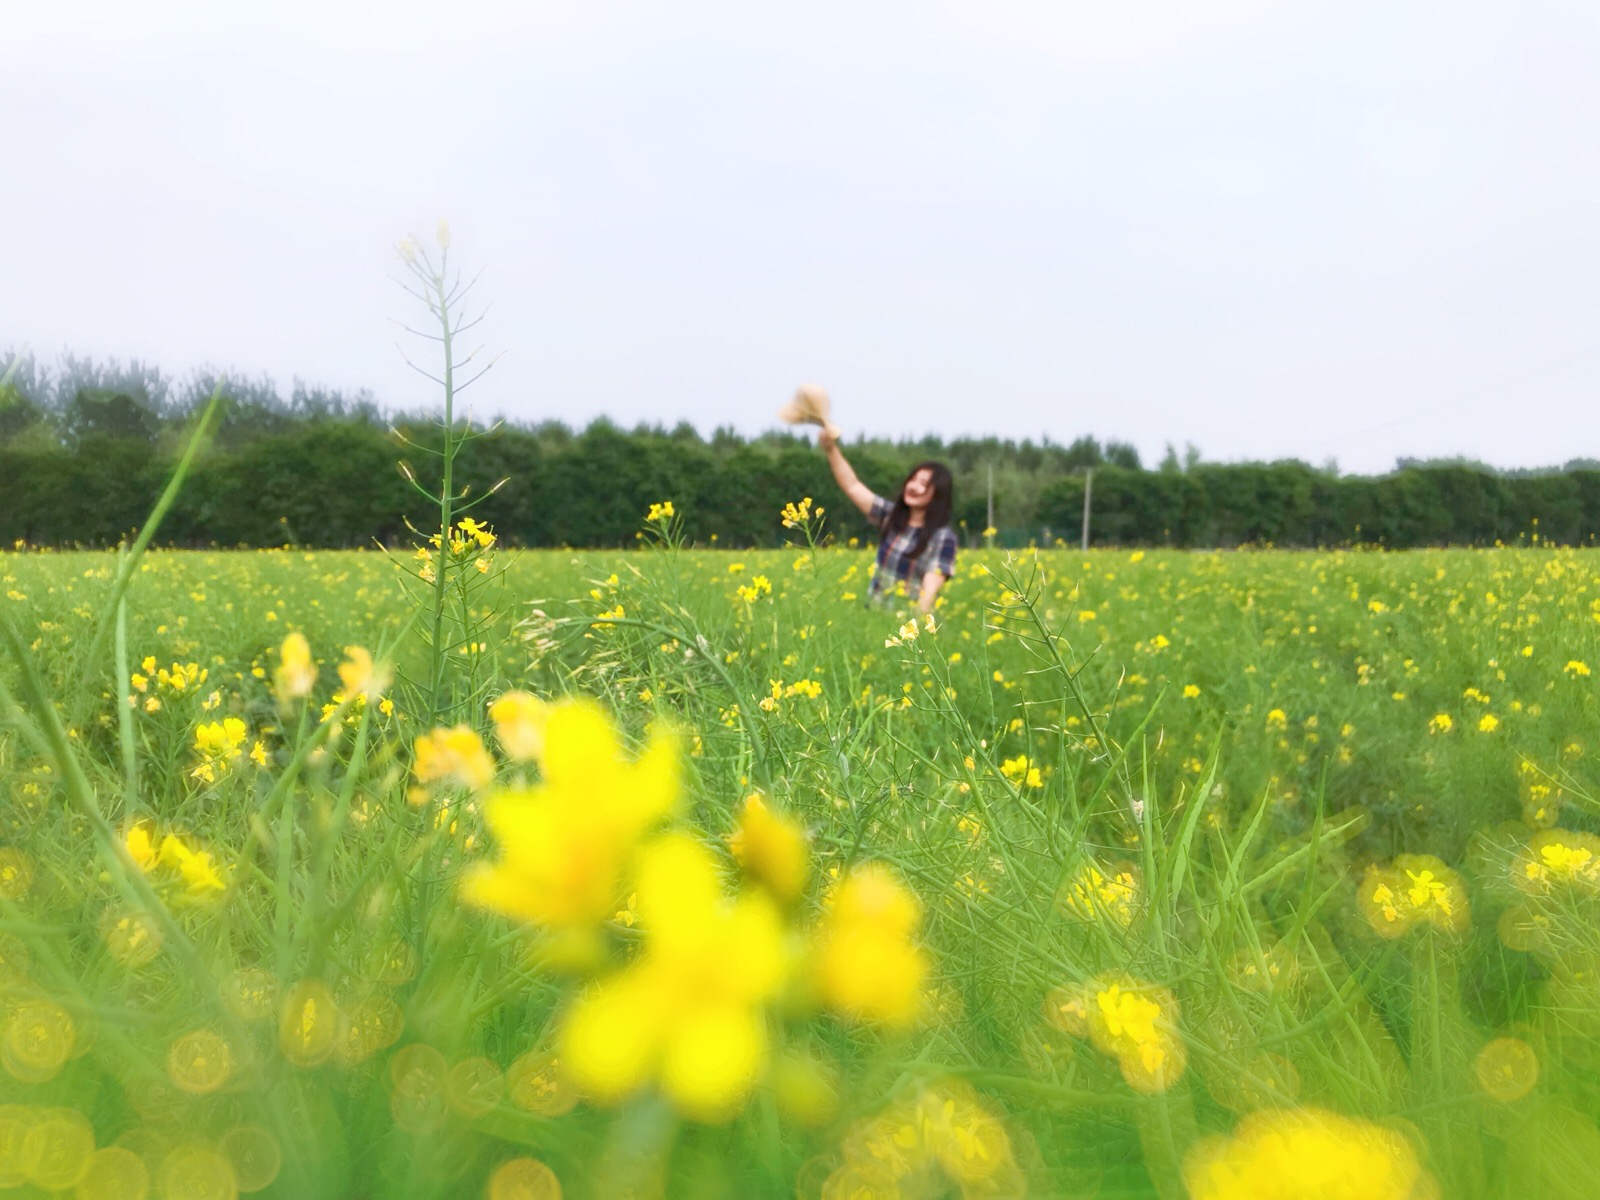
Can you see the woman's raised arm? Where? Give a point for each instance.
(844, 474)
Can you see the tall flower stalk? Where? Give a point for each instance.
(444, 292)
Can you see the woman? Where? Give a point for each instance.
(917, 547)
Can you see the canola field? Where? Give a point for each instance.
(676, 872)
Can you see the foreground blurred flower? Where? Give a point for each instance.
(359, 676)
(566, 842)
(296, 674)
(689, 1013)
(201, 876)
(868, 966)
(519, 720)
(771, 849)
(455, 757)
(1306, 1154)
(1417, 890)
(943, 1135)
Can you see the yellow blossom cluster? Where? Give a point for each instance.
(1135, 1023)
(220, 747)
(1094, 894)
(909, 632)
(452, 757)
(1022, 772)
(566, 842)
(758, 586)
(808, 689)
(660, 513)
(689, 1012)
(796, 516)
(1554, 858)
(867, 965)
(941, 1140)
(198, 873)
(1416, 890)
(771, 850)
(1294, 1154)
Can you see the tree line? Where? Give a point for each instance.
(85, 450)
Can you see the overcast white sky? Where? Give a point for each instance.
(1289, 228)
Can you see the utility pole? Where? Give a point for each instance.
(1088, 495)
(989, 520)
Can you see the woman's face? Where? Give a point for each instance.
(919, 489)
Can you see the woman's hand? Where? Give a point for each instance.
(827, 439)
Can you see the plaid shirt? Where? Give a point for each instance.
(895, 564)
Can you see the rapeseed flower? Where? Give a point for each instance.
(1558, 858)
(1305, 1153)
(1137, 1025)
(455, 757)
(220, 745)
(201, 876)
(1092, 894)
(771, 849)
(566, 842)
(519, 720)
(359, 676)
(1416, 890)
(689, 1013)
(296, 674)
(868, 965)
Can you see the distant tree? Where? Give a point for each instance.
(93, 413)
(1124, 455)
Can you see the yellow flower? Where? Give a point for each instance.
(868, 966)
(1306, 1152)
(689, 1013)
(660, 512)
(1488, 723)
(220, 745)
(453, 756)
(140, 845)
(478, 533)
(1021, 771)
(1190, 691)
(1417, 889)
(519, 721)
(1441, 723)
(200, 875)
(1558, 856)
(1137, 1025)
(1576, 668)
(258, 753)
(1091, 894)
(566, 842)
(1277, 719)
(296, 674)
(359, 676)
(795, 515)
(771, 849)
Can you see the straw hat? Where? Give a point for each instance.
(809, 407)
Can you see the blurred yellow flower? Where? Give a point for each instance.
(1417, 889)
(359, 676)
(868, 966)
(566, 842)
(519, 720)
(1306, 1153)
(771, 849)
(296, 674)
(455, 757)
(689, 1012)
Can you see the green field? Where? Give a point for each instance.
(1096, 891)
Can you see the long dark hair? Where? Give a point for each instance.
(935, 516)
